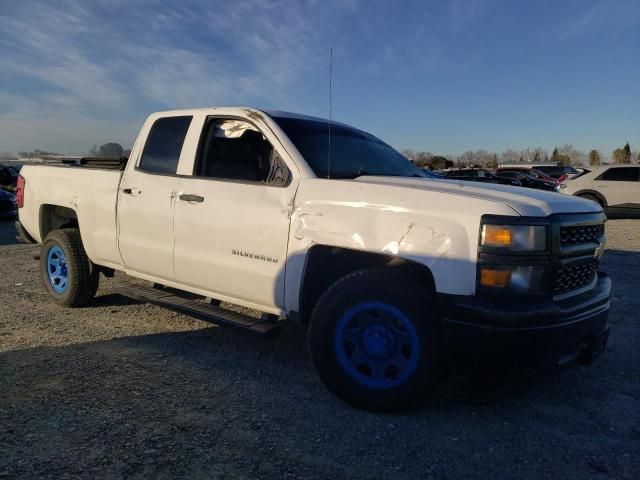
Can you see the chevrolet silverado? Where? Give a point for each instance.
(399, 278)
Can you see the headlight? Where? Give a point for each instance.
(517, 238)
(519, 279)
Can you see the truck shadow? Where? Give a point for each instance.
(235, 352)
(210, 396)
(112, 300)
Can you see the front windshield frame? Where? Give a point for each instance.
(311, 138)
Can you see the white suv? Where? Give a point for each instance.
(615, 187)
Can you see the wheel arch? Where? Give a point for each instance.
(594, 193)
(54, 217)
(325, 264)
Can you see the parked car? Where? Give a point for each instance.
(535, 173)
(561, 172)
(616, 188)
(430, 173)
(479, 175)
(7, 205)
(8, 175)
(398, 278)
(558, 172)
(529, 181)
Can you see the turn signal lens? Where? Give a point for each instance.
(517, 238)
(496, 235)
(494, 278)
(519, 279)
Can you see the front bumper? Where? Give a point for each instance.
(505, 337)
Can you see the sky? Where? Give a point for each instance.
(441, 76)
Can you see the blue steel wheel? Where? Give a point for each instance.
(57, 269)
(375, 339)
(377, 345)
(67, 273)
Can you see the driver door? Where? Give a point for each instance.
(231, 218)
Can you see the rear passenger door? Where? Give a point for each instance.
(232, 215)
(146, 200)
(620, 186)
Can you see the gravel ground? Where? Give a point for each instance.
(120, 389)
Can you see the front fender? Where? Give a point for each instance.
(353, 216)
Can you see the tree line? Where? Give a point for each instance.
(563, 155)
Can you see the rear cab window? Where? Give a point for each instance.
(164, 144)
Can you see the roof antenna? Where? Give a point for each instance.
(330, 81)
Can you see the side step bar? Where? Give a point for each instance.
(196, 308)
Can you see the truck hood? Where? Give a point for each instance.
(525, 201)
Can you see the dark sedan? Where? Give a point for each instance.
(532, 172)
(561, 173)
(529, 181)
(7, 205)
(479, 175)
(8, 175)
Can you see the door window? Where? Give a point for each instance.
(233, 149)
(164, 144)
(622, 174)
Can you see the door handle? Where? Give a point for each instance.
(131, 191)
(191, 198)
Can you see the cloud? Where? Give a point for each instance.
(115, 60)
(599, 17)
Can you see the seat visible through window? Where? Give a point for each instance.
(236, 150)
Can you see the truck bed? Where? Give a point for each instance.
(89, 191)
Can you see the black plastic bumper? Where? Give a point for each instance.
(23, 236)
(485, 336)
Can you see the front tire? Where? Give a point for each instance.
(374, 340)
(66, 270)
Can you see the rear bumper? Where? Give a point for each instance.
(484, 336)
(23, 236)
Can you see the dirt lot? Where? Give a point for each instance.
(120, 389)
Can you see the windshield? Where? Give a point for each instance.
(353, 153)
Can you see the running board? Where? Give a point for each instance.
(196, 308)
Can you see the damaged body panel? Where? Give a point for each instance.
(394, 221)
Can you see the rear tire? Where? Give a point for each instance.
(67, 272)
(374, 340)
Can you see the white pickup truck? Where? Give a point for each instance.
(399, 278)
